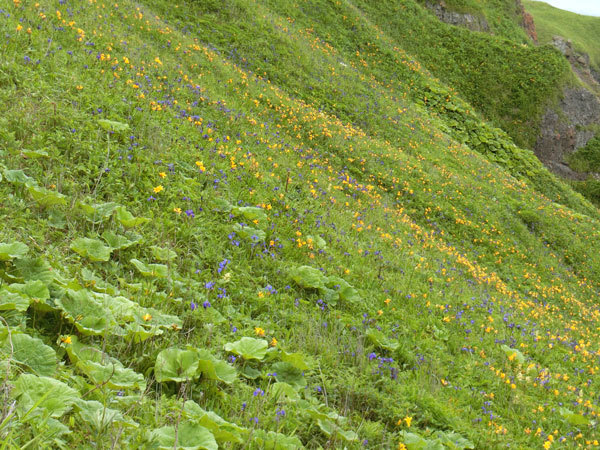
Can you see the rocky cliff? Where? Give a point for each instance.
(577, 118)
(567, 128)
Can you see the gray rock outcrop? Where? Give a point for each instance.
(580, 62)
(563, 132)
(469, 21)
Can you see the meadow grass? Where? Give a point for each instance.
(249, 224)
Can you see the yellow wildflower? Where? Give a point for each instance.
(273, 342)
(259, 331)
(162, 174)
(158, 188)
(147, 317)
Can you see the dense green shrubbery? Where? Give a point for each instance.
(586, 159)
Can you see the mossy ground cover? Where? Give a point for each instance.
(239, 225)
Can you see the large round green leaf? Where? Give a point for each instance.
(127, 219)
(96, 213)
(574, 418)
(160, 319)
(111, 125)
(78, 351)
(18, 177)
(298, 360)
(34, 289)
(271, 440)
(28, 351)
(379, 339)
(122, 309)
(223, 430)
(248, 348)
(283, 391)
(120, 242)
(174, 364)
(215, 369)
(287, 373)
(163, 254)
(308, 277)
(150, 270)
(13, 301)
(12, 250)
(249, 233)
(52, 397)
(332, 429)
(138, 333)
(345, 290)
(99, 417)
(111, 375)
(513, 354)
(88, 315)
(189, 436)
(93, 249)
(45, 197)
(35, 269)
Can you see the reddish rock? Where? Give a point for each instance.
(528, 24)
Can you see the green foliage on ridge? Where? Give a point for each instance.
(584, 31)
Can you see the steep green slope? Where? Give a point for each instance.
(358, 41)
(584, 31)
(509, 82)
(237, 224)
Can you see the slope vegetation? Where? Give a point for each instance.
(249, 224)
(584, 31)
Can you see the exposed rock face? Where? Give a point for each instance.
(595, 75)
(528, 23)
(563, 133)
(580, 62)
(469, 21)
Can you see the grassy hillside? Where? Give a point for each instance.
(249, 224)
(509, 82)
(584, 31)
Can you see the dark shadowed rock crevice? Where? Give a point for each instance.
(569, 127)
(566, 129)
